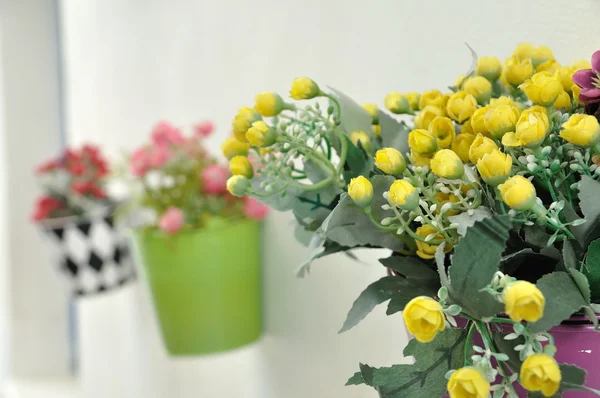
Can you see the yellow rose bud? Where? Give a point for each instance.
(459, 81)
(426, 250)
(542, 89)
(422, 142)
(397, 103)
(419, 160)
(268, 104)
(480, 146)
(424, 318)
(442, 199)
(243, 121)
(495, 167)
(238, 185)
(413, 100)
(517, 70)
(232, 147)
(426, 115)
(583, 130)
(563, 102)
(541, 54)
(261, 134)
(442, 129)
(504, 100)
(523, 301)
(240, 166)
(373, 111)
(461, 106)
(467, 128)
(524, 50)
(479, 87)
(360, 190)
(518, 192)
(565, 75)
(575, 90)
(304, 88)
(376, 130)
(551, 66)
(461, 145)
(363, 138)
(540, 372)
(581, 64)
(477, 121)
(432, 97)
(390, 161)
(468, 382)
(500, 119)
(531, 130)
(446, 164)
(404, 195)
(489, 67)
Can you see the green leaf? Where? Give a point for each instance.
(582, 284)
(572, 379)
(508, 347)
(589, 192)
(592, 268)
(358, 162)
(465, 221)
(536, 235)
(475, 261)
(354, 117)
(393, 133)
(425, 378)
(356, 380)
(411, 267)
(569, 256)
(558, 306)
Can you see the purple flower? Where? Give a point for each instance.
(589, 81)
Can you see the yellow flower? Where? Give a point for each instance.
(565, 75)
(240, 166)
(581, 64)
(232, 147)
(261, 134)
(479, 87)
(519, 193)
(397, 103)
(304, 88)
(373, 111)
(575, 90)
(480, 146)
(531, 130)
(424, 318)
(376, 130)
(446, 164)
(504, 100)
(468, 382)
(422, 142)
(563, 101)
(416, 159)
(478, 121)
(238, 185)
(500, 119)
(517, 70)
(404, 195)
(541, 54)
(489, 67)
(542, 89)
(540, 372)
(443, 198)
(426, 115)
(459, 81)
(426, 250)
(413, 100)
(363, 138)
(360, 190)
(243, 121)
(467, 128)
(268, 104)
(461, 145)
(550, 66)
(431, 97)
(442, 129)
(581, 130)
(390, 161)
(461, 106)
(495, 167)
(524, 51)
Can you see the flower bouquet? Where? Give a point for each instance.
(76, 214)
(200, 245)
(487, 197)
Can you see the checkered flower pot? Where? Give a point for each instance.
(90, 251)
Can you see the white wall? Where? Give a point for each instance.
(132, 62)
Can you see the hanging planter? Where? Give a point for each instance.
(90, 251)
(205, 286)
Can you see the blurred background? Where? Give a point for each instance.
(104, 71)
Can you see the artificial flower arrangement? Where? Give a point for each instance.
(183, 186)
(487, 197)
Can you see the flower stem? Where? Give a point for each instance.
(469, 342)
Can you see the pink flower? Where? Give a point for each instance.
(204, 129)
(589, 81)
(159, 156)
(214, 178)
(139, 162)
(172, 220)
(255, 210)
(164, 133)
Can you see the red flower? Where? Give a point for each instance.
(45, 206)
(164, 133)
(46, 167)
(98, 192)
(77, 168)
(82, 187)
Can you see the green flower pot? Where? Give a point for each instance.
(206, 286)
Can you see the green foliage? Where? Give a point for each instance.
(393, 133)
(475, 261)
(354, 117)
(358, 161)
(592, 268)
(589, 192)
(425, 378)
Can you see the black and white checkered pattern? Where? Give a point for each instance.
(91, 251)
